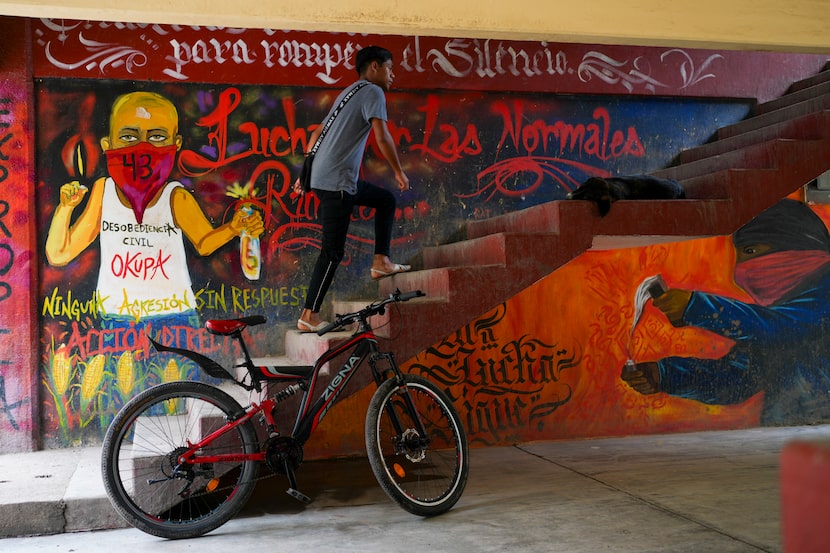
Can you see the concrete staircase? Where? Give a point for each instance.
(747, 167)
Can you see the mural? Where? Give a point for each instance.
(241, 147)
(743, 344)
(112, 248)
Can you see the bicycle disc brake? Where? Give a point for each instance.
(412, 446)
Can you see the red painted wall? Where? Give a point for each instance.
(19, 405)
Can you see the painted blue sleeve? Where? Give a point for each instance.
(724, 381)
(741, 321)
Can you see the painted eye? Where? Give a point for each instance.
(750, 250)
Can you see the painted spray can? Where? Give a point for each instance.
(249, 251)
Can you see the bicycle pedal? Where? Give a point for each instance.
(298, 495)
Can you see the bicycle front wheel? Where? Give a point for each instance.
(142, 474)
(416, 445)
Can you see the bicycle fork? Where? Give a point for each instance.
(410, 442)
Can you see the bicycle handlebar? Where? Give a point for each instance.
(375, 308)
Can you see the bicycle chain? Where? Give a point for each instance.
(271, 474)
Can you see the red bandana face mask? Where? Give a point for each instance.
(768, 277)
(140, 171)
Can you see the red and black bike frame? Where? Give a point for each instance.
(362, 347)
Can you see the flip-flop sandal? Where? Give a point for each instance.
(310, 327)
(377, 274)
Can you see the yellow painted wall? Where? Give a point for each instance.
(792, 26)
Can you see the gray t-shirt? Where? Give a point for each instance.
(337, 162)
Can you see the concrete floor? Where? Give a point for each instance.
(698, 492)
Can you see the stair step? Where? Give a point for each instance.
(504, 248)
(765, 155)
(712, 186)
(794, 97)
(820, 77)
(441, 281)
(305, 348)
(790, 111)
(811, 126)
(633, 223)
(388, 326)
(548, 217)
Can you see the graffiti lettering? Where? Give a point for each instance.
(4, 171)
(88, 342)
(212, 51)
(461, 58)
(6, 262)
(57, 305)
(262, 142)
(498, 394)
(245, 299)
(594, 139)
(493, 417)
(139, 309)
(274, 54)
(136, 241)
(138, 265)
(4, 209)
(211, 299)
(451, 146)
(5, 288)
(111, 226)
(7, 407)
(299, 54)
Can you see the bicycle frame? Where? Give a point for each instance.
(363, 347)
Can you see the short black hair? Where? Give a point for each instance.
(368, 54)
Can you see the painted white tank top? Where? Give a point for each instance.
(143, 267)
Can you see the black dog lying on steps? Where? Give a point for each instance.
(605, 191)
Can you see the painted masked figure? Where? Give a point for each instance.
(781, 342)
(140, 215)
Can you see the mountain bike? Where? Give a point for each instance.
(182, 458)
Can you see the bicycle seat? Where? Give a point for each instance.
(223, 327)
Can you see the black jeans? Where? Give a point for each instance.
(335, 213)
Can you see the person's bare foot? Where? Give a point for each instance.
(383, 267)
(309, 321)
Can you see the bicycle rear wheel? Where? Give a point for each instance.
(423, 471)
(143, 477)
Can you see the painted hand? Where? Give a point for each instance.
(673, 303)
(644, 377)
(250, 223)
(72, 193)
